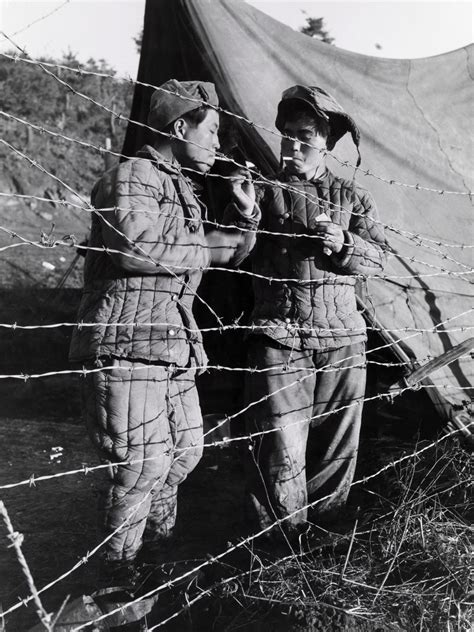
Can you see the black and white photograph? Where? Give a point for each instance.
(236, 315)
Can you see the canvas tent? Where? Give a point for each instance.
(414, 116)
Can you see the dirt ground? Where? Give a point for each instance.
(58, 517)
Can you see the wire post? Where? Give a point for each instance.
(16, 539)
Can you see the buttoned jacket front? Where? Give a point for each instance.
(305, 298)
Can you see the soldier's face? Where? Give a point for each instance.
(303, 152)
(198, 145)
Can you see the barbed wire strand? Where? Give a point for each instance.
(254, 536)
(42, 64)
(416, 238)
(70, 241)
(236, 327)
(262, 567)
(148, 257)
(83, 371)
(226, 441)
(244, 542)
(228, 418)
(281, 561)
(40, 19)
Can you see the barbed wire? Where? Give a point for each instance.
(234, 369)
(246, 541)
(418, 238)
(83, 372)
(42, 64)
(218, 425)
(33, 480)
(282, 560)
(148, 257)
(40, 19)
(69, 241)
(294, 328)
(260, 179)
(227, 418)
(72, 243)
(222, 328)
(214, 559)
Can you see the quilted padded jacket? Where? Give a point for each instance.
(140, 283)
(307, 299)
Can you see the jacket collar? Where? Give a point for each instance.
(172, 167)
(169, 166)
(323, 180)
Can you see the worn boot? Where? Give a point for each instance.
(118, 574)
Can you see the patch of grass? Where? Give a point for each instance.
(404, 565)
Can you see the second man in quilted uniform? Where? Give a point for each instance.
(307, 342)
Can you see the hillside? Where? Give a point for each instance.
(63, 169)
(40, 285)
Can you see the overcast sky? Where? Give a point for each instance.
(105, 28)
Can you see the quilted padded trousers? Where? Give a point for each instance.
(312, 407)
(149, 417)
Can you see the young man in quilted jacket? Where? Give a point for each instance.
(308, 339)
(147, 252)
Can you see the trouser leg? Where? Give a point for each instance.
(276, 475)
(334, 434)
(185, 422)
(127, 418)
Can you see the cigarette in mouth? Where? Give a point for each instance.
(287, 158)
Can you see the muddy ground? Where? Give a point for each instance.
(58, 517)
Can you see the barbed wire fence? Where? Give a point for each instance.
(435, 247)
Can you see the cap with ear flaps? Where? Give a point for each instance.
(324, 106)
